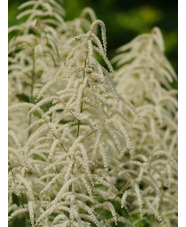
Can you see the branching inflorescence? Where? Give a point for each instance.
(144, 76)
(75, 152)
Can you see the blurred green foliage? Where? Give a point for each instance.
(125, 19)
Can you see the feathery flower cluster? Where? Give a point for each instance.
(76, 154)
(144, 76)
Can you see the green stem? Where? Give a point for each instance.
(124, 187)
(32, 87)
(81, 109)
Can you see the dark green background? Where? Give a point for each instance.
(124, 19)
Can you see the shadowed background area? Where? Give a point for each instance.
(126, 19)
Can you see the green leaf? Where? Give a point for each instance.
(23, 97)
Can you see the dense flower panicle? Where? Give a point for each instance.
(33, 53)
(75, 152)
(141, 64)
